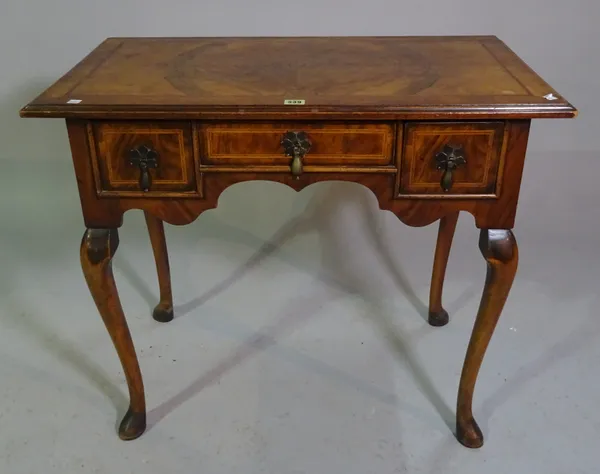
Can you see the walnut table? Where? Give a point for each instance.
(432, 125)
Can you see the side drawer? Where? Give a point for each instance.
(459, 159)
(368, 144)
(143, 158)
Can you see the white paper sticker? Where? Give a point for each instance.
(73, 101)
(550, 96)
(294, 102)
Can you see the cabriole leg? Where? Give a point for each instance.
(164, 310)
(437, 314)
(97, 250)
(499, 248)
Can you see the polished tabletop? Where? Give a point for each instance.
(406, 75)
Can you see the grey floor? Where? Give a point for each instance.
(299, 344)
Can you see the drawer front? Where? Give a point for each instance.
(330, 143)
(144, 158)
(452, 159)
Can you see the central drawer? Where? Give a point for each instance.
(366, 144)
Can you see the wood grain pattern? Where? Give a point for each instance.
(499, 248)
(331, 143)
(103, 212)
(376, 109)
(438, 316)
(481, 143)
(115, 175)
(378, 77)
(98, 247)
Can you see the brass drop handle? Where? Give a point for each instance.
(296, 145)
(450, 158)
(144, 158)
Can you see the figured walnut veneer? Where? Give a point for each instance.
(431, 125)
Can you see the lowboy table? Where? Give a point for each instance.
(432, 125)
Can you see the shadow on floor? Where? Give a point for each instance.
(320, 216)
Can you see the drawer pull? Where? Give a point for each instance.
(450, 158)
(296, 145)
(144, 158)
